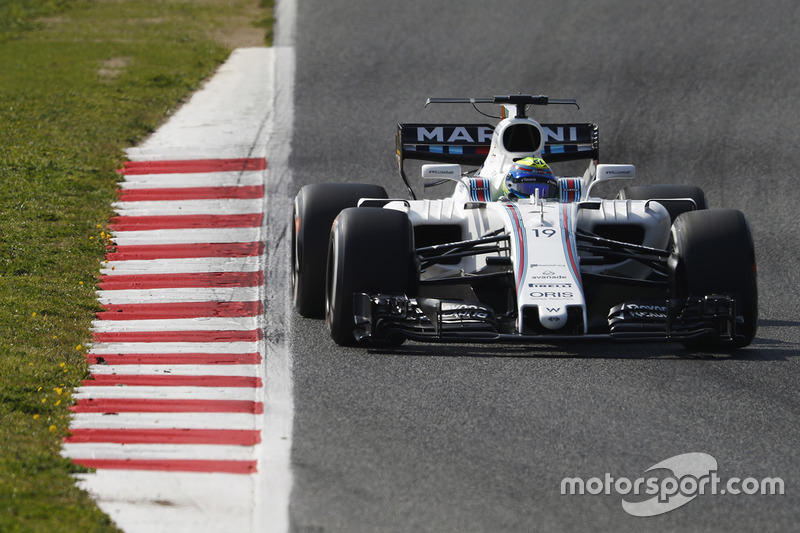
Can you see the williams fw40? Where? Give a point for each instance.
(517, 254)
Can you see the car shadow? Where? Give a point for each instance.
(763, 348)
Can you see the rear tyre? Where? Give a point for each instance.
(315, 207)
(667, 192)
(713, 253)
(372, 251)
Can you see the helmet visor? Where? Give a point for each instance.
(529, 188)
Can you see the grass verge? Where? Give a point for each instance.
(79, 81)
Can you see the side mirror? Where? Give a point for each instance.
(434, 175)
(605, 173)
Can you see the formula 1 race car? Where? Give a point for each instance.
(512, 259)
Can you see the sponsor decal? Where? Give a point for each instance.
(557, 133)
(463, 312)
(455, 134)
(553, 295)
(549, 275)
(645, 311)
(441, 172)
(480, 190)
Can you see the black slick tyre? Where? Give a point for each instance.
(713, 253)
(371, 251)
(315, 208)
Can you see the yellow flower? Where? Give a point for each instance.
(79, 347)
(80, 283)
(33, 314)
(62, 365)
(53, 428)
(58, 390)
(39, 389)
(44, 400)
(58, 402)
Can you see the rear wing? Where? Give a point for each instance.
(468, 144)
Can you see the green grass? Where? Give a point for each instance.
(79, 81)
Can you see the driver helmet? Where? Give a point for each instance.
(528, 175)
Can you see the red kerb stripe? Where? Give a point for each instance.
(112, 380)
(180, 310)
(193, 279)
(237, 437)
(244, 192)
(134, 405)
(184, 251)
(193, 165)
(171, 465)
(149, 223)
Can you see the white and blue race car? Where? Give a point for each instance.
(652, 263)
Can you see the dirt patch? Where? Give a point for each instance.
(111, 68)
(242, 25)
(241, 31)
(240, 37)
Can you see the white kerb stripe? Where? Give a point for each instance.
(199, 294)
(108, 450)
(165, 420)
(186, 236)
(191, 180)
(166, 393)
(180, 324)
(190, 207)
(184, 265)
(101, 348)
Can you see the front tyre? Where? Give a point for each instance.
(713, 253)
(315, 207)
(371, 251)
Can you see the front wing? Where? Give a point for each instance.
(384, 317)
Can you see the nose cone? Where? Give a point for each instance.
(553, 317)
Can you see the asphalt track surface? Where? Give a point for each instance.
(478, 438)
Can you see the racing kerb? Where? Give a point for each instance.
(173, 413)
